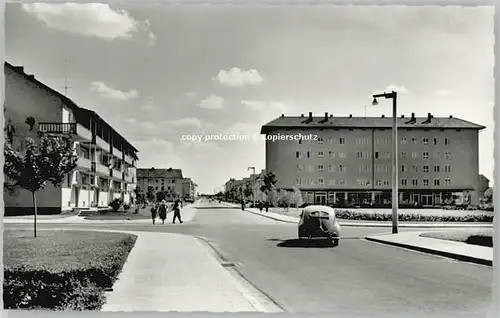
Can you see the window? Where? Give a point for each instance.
(360, 154)
(414, 155)
(157, 180)
(387, 155)
(331, 182)
(447, 182)
(331, 168)
(425, 141)
(321, 181)
(310, 168)
(436, 168)
(342, 155)
(320, 168)
(377, 154)
(379, 182)
(425, 155)
(298, 181)
(320, 140)
(320, 154)
(341, 183)
(414, 140)
(403, 168)
(403, 182)
(404, 155)
(386, 182)
(342, 141)
(331, 154)
(447, 168)
(425, 168)
(404, 141)
(361, 182)
(298, 154)
(300, 167)
(308, 154)
(447, 155)
(414, 182)
(435, 141)
(156, 188)
(311, 182)
(436, 154)
(342, 168)
(436, 182)
(447, 141)
(377, 141)
(426, 182)
(414, 168)
(332, 141)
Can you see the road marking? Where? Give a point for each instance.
(258, 299)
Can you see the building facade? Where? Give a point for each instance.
(188, 189)
(106, 161)
(170, 180)
(348, 160)
(234, 189)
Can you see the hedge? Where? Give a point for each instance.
(411, 217)
(47, 281)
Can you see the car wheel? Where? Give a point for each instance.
(336, 242)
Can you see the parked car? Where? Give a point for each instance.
(319, 221)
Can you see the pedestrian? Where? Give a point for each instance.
(177, 210)
(163, 211)
(154, 211)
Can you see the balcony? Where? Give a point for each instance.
(116, 174)
(84, 164)
(101, 144)
(129, 160)
(117, 153)
(128, 177)
(100, 169)
(76, 130)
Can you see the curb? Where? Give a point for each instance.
(460, 257)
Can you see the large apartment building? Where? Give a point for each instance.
(347, 160)
(170, 180)
(106, 163)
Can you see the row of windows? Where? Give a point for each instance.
(387, 141)
(367, 155)
(378, 168)
(162, 180)
(364, 183)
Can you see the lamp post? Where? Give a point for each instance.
(395, 196)
(253, 184)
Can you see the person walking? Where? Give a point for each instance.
(154, 211)
(177, 210)
(163, 211)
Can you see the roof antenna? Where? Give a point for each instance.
(66, 79)
(365, 110)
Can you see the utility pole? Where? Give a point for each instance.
(66, 78)
(253, 184)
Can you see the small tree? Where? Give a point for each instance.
(150, 195)
(272, 197)
(139, 195)
(248, 190)
(268, 184)
(296, 198)
(49, 160)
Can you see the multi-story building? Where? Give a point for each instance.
(169, 180)
(188, 189)
(106, 162)
(347, 160)
(236, 187)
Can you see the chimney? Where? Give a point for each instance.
(19, 68)
(350, 115)
(402, 116)
(282, 115)
(310, 116)
(383, 116)
(412, 115)
(31, 76)
(326, 116)
(301, 115)
(331, 116)
(429, 116)
(451, 116)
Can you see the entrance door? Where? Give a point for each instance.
(321, 198)
(77, 196)
(96, 197)
(426, 199)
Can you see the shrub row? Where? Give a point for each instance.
(38, 287)
(351, 215)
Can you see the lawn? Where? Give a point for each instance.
(61, 270)
(121, 215)
(469, 236)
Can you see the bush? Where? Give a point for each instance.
(365, 216)
(115, 204)
(126, 207)
(76, 281)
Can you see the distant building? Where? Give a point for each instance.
(188, 188)
(170, 180)
(484, 184)
(235, 188)
(348, 159)
(106, 163)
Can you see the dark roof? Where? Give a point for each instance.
(159, 173)
(368, 122)
(82, 115)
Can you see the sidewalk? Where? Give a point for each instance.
(174, 272)
(187, 214)
(456, 250)
(361, 223)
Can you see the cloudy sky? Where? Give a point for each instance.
(156, 72)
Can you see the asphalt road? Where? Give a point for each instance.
(356, 277)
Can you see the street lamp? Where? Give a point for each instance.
(395, 197)
(253, 184)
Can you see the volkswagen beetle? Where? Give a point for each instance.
(319, 221)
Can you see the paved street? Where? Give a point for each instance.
(356, 277)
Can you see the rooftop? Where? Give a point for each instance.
(328, 121)
(82, 115)
(159, 173)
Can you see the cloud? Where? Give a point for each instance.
(237, 77)
(130, 120)
(396, 88)
(266, 106)
(443, 92)
(148, 125)
(212, 102)
(187, 121)
(111, 93)
(191, 94)
(148, 104)
(90, 19)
